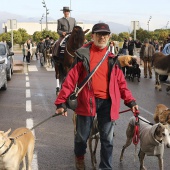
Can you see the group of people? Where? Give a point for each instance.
(96, 98)
(29, 48)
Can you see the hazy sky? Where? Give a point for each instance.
(118, 11)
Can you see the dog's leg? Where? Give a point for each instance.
(95, 148)
(141, 160)
(129, 134)
(24, 164)
(161, 165)
(91, 152)
(30, 155)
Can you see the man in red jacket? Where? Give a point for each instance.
(101, 96)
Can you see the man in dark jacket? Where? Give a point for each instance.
(146, 53)
(96, 97)
(66, 23)
(131, 44)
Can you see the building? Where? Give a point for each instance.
(32, 27)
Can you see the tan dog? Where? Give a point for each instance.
(162, 114)
(13, 149)
(152, 140)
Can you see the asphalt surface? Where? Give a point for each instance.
(54, 138)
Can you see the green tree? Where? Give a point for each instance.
(24, 35)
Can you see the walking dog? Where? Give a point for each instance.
(14, 148)
(162, 114)
(152, 140)
(94, 135)
(133, 71)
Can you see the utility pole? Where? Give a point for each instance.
(44, 5)
(148, 22)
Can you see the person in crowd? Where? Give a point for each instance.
(131, 46)
(40, 48)
(125, 46)
(34, 47)
(112, 48)
(23, 46)
(125, 62)
(64, 26)
(47, 45)
(98, 98)
(156, 46)
(146, 53)
(138, 45)
(28, 51)
(66, 23)
(168, 39)
(151, 42)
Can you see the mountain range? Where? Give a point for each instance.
(115, 27)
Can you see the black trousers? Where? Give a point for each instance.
(28, 57)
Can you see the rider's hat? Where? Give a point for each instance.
(65, 8)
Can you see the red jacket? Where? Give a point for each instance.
(86, 99)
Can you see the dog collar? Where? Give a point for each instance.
(12, 141)
(3, 145)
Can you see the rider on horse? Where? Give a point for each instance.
(65, 24)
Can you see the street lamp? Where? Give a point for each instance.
(148, 22)
(167, 24)
(41, 21)
(44, 5)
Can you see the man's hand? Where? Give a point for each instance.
(61, 110)
(64, 33)
(134, 108)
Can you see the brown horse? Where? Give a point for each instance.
(62, 65)
(161, 65)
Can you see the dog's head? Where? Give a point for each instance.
(4, 137)
(162, 134)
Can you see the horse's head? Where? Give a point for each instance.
(76, 39)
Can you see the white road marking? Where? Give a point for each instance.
(26, 74)
(32, 68)
(28, 93)
(27, 78)
(30, 124)
(28, 106)
(27, 84)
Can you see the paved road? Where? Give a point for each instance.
(29, 100)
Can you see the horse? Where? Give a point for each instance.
(161, 65)
(73, 41)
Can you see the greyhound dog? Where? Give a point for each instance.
(152, 140)
(162, 114)
(94, 135)
(13, 149)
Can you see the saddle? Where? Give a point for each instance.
(59, 47)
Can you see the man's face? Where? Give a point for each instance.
(66, 13)
(101, 39)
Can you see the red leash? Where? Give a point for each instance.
(136, 132)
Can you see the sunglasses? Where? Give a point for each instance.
(104, 34)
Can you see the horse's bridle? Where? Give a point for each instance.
(69, 52)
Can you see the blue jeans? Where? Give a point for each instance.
(106, 129)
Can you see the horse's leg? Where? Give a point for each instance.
(159, 84)
(57, 78)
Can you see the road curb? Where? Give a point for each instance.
(18, 66)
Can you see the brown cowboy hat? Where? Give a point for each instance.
(65, 8)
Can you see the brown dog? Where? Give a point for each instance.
(13, 149)
(152, 140)
(162, 114)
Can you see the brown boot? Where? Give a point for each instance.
(79, 161)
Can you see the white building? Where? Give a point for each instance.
(32, 27)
